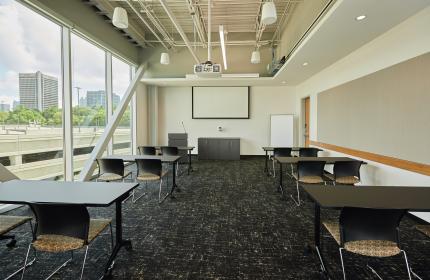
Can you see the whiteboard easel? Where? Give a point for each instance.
(281, 130)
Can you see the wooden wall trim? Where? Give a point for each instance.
(391, 161)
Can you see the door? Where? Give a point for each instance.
(307, 120)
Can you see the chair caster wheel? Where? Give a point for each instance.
(11, 244)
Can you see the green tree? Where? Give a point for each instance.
(22, 115)
(3, 117)
(125, 120)
(99, 118)
(53, 116)
(79, 114)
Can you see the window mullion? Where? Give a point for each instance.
(109, 95)
(66, 76)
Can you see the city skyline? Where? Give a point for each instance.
(83, 101)
(38, 91)
(26, 51)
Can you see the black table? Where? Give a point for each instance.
(91, 194)
(295, 160)
(189, 149)
(271, 149)
(379, 197)
(164, 158)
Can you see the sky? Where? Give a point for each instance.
(29, 42)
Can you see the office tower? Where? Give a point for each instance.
(116, 99)
(38, 91)
(82, 102)
(96, 98)
(15, 104)
(4, 107)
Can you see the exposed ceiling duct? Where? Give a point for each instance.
(147, 24)
(179, 29)
(195, 13)
(242, 19)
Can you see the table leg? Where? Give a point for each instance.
(120, 242)
(174, 185)
(317, 225)
(317, 236)
(190, 168)
(266, 168)
(281, 188)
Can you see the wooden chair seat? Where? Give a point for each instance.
(97, 226)
(347, 180)
(150, 176)
(373, 248)
(370, 248)
(333, 229)
(8, 223)
(59, 243)
(112, 176)
(308, 179)
(425, 229)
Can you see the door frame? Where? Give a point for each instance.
(305, 115)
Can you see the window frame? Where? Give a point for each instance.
(67, 29)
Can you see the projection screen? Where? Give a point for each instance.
(220, 102)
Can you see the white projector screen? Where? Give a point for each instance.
(220, 102)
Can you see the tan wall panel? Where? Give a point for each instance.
(386, 113)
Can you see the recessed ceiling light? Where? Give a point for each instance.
(360, 17)
(305, 64)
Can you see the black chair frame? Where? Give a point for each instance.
(147, 150)
(308, 152)
(12, 244)
(346, 169)
(153, 167)
(171, 151)
(71, 220)
(358, 224)
(279, 152)
(307, 168)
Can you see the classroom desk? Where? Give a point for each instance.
(164, 159)
(382, 197)
(91, 194)
(295, 160)
(271, 149)
(189, 149)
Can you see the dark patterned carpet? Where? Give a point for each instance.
(228, 222)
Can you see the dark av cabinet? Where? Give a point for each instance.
(219, 148)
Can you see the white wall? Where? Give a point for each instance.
(406, 40)
(175, 106)
(142, 117)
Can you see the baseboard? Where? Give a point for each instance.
(196, 156)
(251, 156)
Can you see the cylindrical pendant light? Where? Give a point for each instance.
(268, 13)
(120, 18)
(165, 59)
(255, 57)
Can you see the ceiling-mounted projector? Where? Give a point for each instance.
(207, 70)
